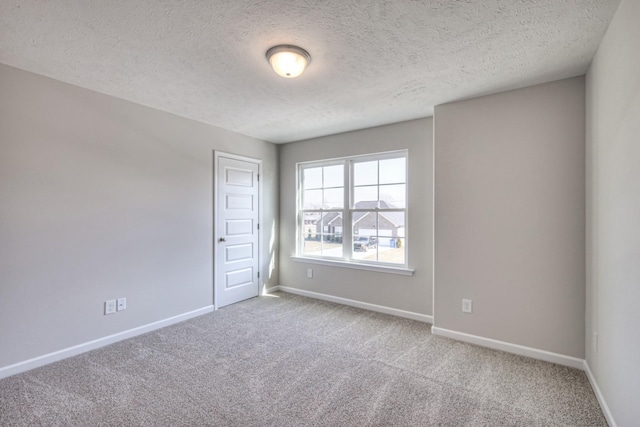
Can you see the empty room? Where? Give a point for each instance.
(319, 213)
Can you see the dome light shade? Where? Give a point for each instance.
(288, 61)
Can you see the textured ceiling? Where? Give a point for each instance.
(374, 62)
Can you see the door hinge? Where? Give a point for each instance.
(258, 177)
(258, 226)
(258, 274)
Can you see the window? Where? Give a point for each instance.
(354, 209)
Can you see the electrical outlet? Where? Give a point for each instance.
(309, 273)
(122, 304)
(595, 342)
(467, 306)
(110, 306)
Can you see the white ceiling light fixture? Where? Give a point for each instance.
(288, 61)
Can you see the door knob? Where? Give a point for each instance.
(222, 239)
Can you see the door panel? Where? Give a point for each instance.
(240, 177)
(239, 278)
(238, 227)
(236, 237)
(239, 201)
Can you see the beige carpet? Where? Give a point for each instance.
(285, 360)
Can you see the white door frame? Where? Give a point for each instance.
(216, 155)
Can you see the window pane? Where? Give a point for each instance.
(332, 223)
(312, 199)
(393, 195)
(311, 247)
(334, 198)
(310, 225)
(365, 173)
(391, 226)
(312, 178)
(311, 233)
(361, 195)
(365, 235)
(332, 245)
(332, 234)
(379, 237)
(334, 176)
(393, 171)
(364, 224)
(365, 248)
(322, 234)
(391, 250)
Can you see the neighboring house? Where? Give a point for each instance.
(310, 224)
(390, 224)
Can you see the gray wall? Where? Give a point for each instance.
(102, 198)
(411, 293)
(613, 214)
(509, 216)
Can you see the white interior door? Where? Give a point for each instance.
(237, 230)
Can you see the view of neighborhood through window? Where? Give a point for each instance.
(323, 199)
(370, 192)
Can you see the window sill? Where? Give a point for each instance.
(356, 266)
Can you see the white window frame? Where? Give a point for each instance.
(347, 260)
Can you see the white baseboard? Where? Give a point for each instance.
(521, 350)
(603, 404)
(353, 303)
(36, 362)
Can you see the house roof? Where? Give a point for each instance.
(396, 218)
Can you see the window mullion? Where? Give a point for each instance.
(378, 192)
(347, 231)
(300, 211)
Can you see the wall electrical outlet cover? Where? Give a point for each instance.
(467, 306)
(309, 273)
(122, 304)
(110, 306)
